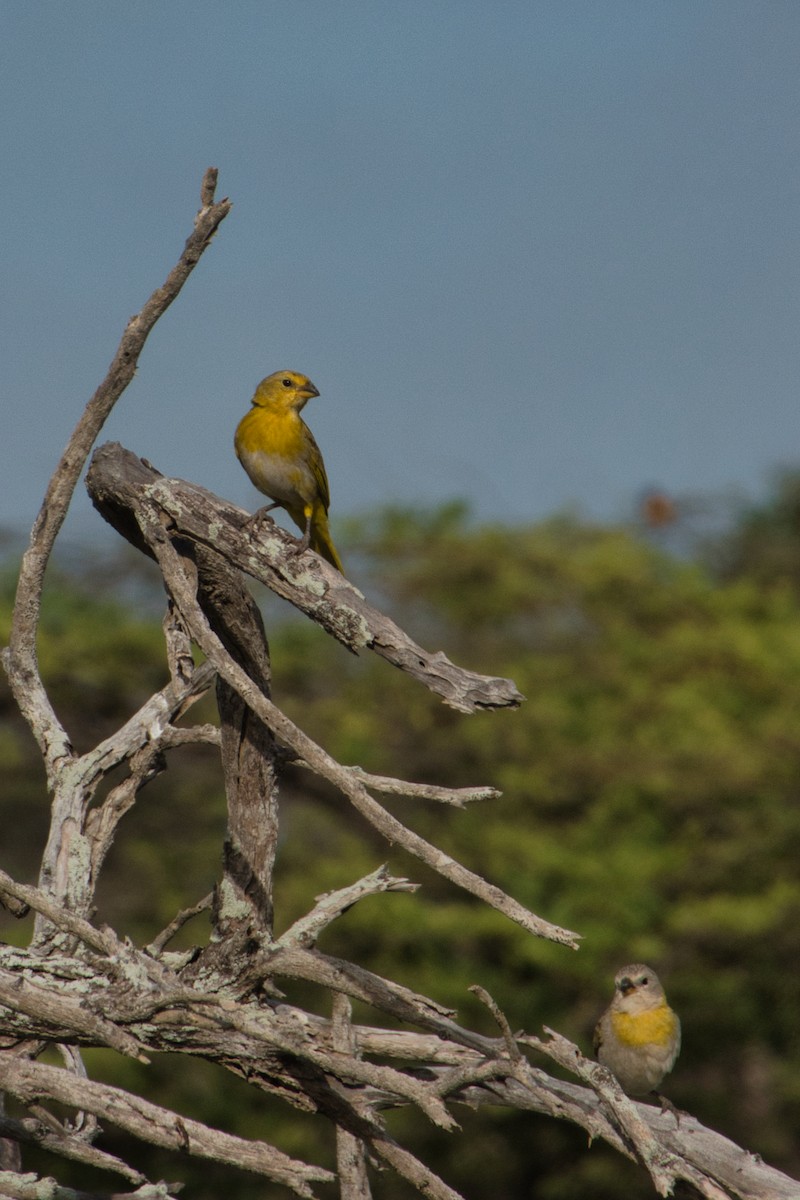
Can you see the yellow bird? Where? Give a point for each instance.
(278, 452)
(638, 1037)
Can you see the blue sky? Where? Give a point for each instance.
(536, 254)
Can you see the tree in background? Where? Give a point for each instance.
(765, 545)
(644, 680)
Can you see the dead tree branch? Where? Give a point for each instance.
(29, 1082)
(122, 486)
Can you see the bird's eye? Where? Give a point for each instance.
(286, 382)
(644, 980)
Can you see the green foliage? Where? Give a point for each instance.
(765, 546)
(649, 801)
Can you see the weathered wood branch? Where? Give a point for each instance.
(351, 1157)
(249, 752)
(30, 1082)
(16, 1186)
(120, 484)
(66, 1144)
(151, 725)
(457, 797)
(54, 1010)
(258, 1040)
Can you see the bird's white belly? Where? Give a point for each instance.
(282, 480)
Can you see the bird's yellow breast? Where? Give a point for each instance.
(265, 431)
(277, 452)
(655, 1026)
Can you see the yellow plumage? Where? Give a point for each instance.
(656, 1026)
(278, 452)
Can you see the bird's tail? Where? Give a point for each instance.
(321, 542)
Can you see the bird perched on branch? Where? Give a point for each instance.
(638, 1036)
(278, 452)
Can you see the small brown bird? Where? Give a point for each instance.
(638, 1037)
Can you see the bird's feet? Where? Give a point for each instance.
(260, 518)
(302, 544)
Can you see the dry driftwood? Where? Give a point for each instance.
(77, 986)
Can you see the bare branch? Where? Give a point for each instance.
(102, 822)
(20, 658)
(32, 1187)
(63, 1013)
(411, 1169)
(103, 941)
(512, 1049)
(351, 1158)
(69, 1145)
(458, 1064)
(165, 937)
(150, 1123)
(307, 929)
(360, 984)
(151, 724)
(120, 484)
(458, 797)
(349, 1070)
(66, 846)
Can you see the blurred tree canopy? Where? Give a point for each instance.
(649, 801)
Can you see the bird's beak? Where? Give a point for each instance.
(308, 391)
(625, 986)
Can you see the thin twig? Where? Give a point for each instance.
(151, 724)
(101, 823)
(305, 931)
(512, 1049)
(158, 943)
(411, 1169)
(458, 797)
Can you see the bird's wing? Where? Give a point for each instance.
(318, 470)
